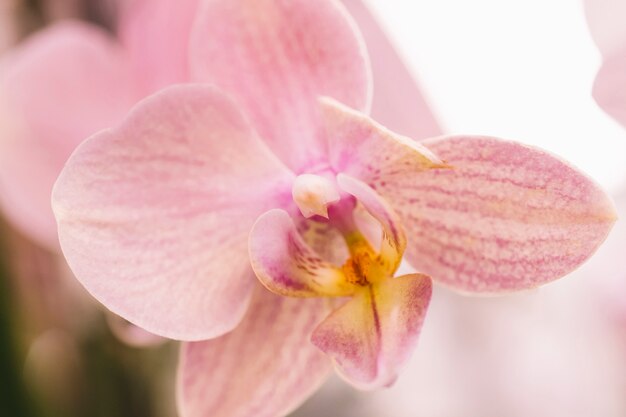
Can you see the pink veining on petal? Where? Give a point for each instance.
(286, 265)
(505, 217)
(154, 215)
(373, 335)
(264, 368)
(354, 139)
(276, 58)
(398, 101)
(61, 85)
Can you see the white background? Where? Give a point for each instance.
(518, 69)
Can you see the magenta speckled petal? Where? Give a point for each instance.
(286, 265)
(264, 368)
(57, 88)
(398, 102)
(372, 336)
(504, 217)
(154, 215)
(276, 57)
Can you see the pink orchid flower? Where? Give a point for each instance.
(272, 168)
(606, 19)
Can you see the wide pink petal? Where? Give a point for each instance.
(264, 368)
(154, 215)
(276, 57)
(287, 265)
(156, 34)
(609, 89)
(57, 88)
(504, 217)
(373, 335)
(398, 102)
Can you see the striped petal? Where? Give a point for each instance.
(505, 217)
(154, 215)
(373, 335)
(489, 216)
(276, 57)
(287, 265)
(264, 368)
(362, 148)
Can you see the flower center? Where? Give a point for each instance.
(313, 194)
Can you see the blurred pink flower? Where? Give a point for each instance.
(161, 216)
(70, 80)
(606, 20)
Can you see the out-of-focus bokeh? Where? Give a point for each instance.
(519, 70)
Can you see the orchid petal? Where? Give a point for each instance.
(276, 58)
(60, 86)
(156, 34)
(354, 139)
(505, 217)
(286, 265)
(394, 240)
(609, 89)
(398, 102)
(371, 336)
(495, 216)
(154, 215)
(264, 368)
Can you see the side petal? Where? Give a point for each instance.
(372, 336)
(393, 240)
(57, 88)
(276, 57)
(354, 139)
(156, 34)
(609, 88)
(264, 368)
(505, 217)
(287, 265)
(154, 215)
(398, 102)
